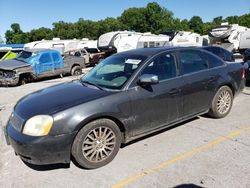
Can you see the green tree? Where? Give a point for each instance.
(15, 35)
(153, 18)
(134, 19)
(65, 30)
(39, 34)
(217, 21)
(232, 19)
(196, 24)
(185, 25)
(244, 20)
(109, 24)
(158, 18)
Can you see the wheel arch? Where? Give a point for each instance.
(74, 65)
(119, 124)
(228, 84)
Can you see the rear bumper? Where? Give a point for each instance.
(247, 75)
(40, 150)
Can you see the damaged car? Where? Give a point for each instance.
(33, 64)
(126, 96)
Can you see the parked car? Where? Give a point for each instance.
(221, 52)
(246, 55)
(37, 63)
(126, 96)
(92, 56)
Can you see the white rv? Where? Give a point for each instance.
(56, 43)
(86, 43)
(232, 37)
(120, 41)
(142, 40)
(186, 38)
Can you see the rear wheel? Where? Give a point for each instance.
(96, 144)
(222, 103)
(76, 71)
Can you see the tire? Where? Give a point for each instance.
(222, 102)
(22, 81)
(76, 71)
(91, 149)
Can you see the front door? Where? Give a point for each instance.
(45, 64)
(155, 106)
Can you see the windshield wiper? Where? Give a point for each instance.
(90, 83)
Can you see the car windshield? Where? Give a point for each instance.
(24, 56)
(113, 72)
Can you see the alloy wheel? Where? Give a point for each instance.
(224, 102)
(98, 144)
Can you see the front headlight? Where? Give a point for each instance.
(38, 125)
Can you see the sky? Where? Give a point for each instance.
(33, 14)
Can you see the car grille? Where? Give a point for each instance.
(6, 74)
(16, 121)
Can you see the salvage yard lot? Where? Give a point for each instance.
(203, 152)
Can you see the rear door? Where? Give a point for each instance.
(199, 83)
(157, 105)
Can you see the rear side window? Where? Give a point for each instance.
(56, 57)
(214, 61)
(192, 61)
(45, 58)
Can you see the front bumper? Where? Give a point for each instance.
(9, 81)
(40, 150)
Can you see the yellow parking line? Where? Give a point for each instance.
(180, 157)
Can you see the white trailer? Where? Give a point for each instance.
(56, 43)
(233, 37)
(187, 38)
(120, 41)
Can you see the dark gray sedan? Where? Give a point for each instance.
(126, 96)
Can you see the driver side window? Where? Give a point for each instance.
(163, 66)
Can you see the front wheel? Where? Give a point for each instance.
(96, 144)
(222, 103)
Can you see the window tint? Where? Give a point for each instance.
(192, 61)
(45, 58)
(56, 57)
(92, 50)
(214, 61)
(163, 66)
(78, 54)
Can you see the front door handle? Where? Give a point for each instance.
(173, 92)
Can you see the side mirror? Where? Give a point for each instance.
(148, 79)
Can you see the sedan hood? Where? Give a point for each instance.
(57, 98)
(12, 64)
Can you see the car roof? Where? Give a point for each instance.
(207, 47)
(148, 52)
